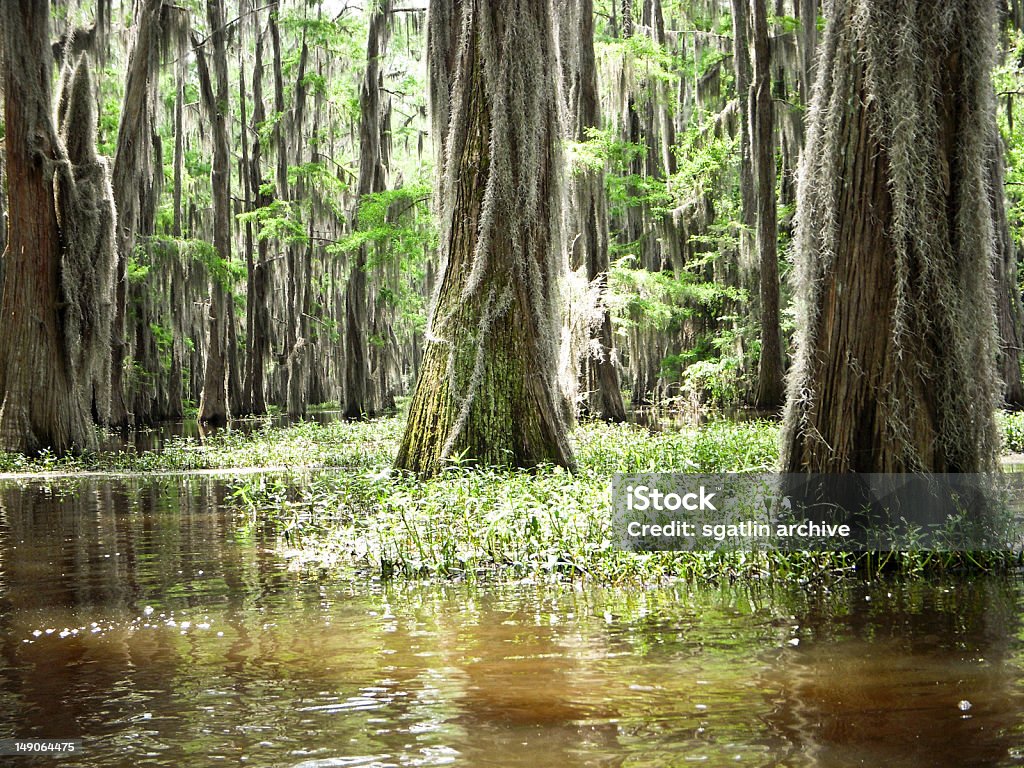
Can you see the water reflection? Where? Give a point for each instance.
(154, 438)
(140, 616)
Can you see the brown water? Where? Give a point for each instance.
(142, 617)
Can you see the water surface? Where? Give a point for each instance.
(143, 617)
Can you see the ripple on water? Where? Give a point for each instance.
(193, 641)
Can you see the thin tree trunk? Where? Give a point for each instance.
(373, 130)
(770, 387)
(748, 192)
(590, 212)
(283, 192)
(259, 341)
(213, 405)
(297, 336)
(244, 168)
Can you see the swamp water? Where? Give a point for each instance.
(140, 616)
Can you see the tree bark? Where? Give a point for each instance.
(281, 177)
(179, 147)
(360, 390)
(1010, 315)
(770, 388)
(133, 184)
(895, 365)
(807, 11)
(259, 343)
(297, 336)
(39, 404)
(213, 406)
(589, 205)
(3, 216)
(487, 391)
(748, 193)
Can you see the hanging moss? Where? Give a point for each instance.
(894, 369)
(488, 387)
(86, 216)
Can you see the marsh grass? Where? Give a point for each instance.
(335, 503)
(543, 524)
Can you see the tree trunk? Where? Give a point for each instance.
(762, 135)
(1010, 315)
(244, 171)
(297, 335)
(133, 182)
(213, 406)
(179, 146)
(589, 205)
(748, 271)
(3, 216)
(807, 11)
(42, 402)
(258, 298)
(487, 391)
(895, 366)
(373, 135)
(281, 173)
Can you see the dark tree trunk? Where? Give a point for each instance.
(360, 389)
(297, 329)
(259, 348)
(1010, 315)
(179, 146)
(244, 172)
(213, 405)
(281, 176)
(487, 391)
(257, 330)
(770, 387)
(748, 271)
(895, 366)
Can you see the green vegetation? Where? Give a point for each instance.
(544, 524)
(494, 523)
(1011, 425)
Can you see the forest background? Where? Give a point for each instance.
(273, 177)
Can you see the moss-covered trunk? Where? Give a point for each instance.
(895, 368)
(487, 390)
(44, 401)
(589, 207)
(134, 183)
